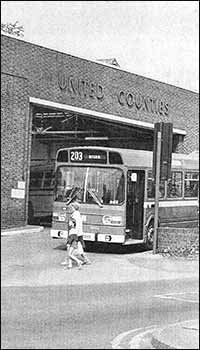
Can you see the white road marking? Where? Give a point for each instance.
(116, 341)
(121, 337)
(136, 341)
(177, 296)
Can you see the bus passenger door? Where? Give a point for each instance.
(135, 202)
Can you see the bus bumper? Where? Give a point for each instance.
(93, 237)
(98, 237)
(58, 233)
(110, 238)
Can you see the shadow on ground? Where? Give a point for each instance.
(115, 248)
(107, 248)
(97, 247)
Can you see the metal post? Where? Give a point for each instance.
(157, 176)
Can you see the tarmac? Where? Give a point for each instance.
(182, 335)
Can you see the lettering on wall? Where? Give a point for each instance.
(143, 103)
(80, 87)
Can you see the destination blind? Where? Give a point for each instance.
(88, 156)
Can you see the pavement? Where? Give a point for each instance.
(182, 335)
(19, 230)
(140, 267)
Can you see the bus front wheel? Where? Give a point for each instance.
(149, 236)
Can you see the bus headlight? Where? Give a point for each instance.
(112, 220)
(108, 238)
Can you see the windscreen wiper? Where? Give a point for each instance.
(74, 192)
(94, 196)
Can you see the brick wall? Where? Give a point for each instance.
(182, 242)
(44, 67)
(14, 147)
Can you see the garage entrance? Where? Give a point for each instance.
(54, 128)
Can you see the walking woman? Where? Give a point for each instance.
(76, 217)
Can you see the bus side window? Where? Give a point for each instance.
(174, 186)
(191, 184)
(36, 179)
(151, 187)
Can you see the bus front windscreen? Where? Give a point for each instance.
(90, 185)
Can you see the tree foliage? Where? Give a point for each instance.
(13, 29)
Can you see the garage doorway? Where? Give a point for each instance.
(54, 128)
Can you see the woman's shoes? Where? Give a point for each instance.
(86, 262)
(64, 263)
(80, 266)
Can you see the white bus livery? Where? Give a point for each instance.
(116, 192)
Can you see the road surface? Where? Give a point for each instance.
(90, 316)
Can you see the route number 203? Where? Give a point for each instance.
(76, 156)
